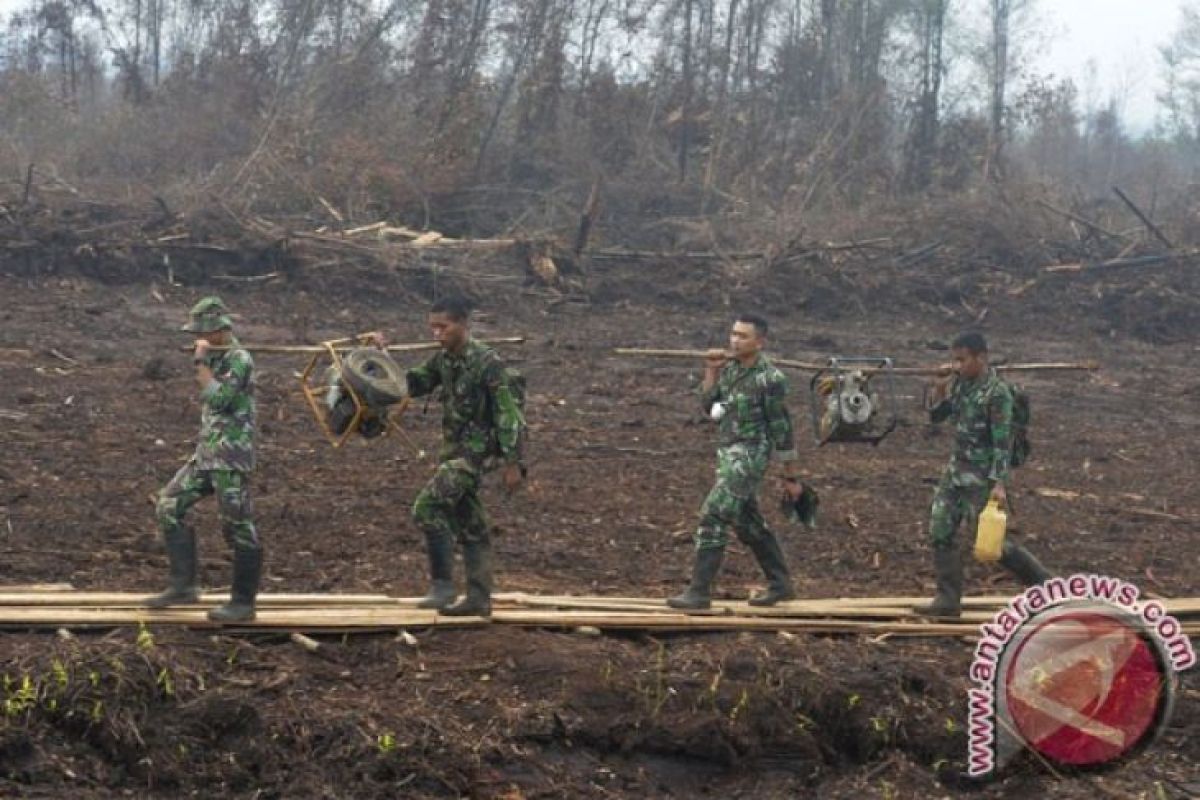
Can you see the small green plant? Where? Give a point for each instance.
(19, 697)
(742, 702)
(59, 671)
(715, 684)
(386, 743)
(145, 639)
(166, 682)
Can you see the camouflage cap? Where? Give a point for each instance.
(209, 315)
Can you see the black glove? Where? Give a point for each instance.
(803, 509)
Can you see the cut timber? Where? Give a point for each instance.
(33, 588)
(982, 601)
(363, 613)
(1137, 212)
(677, 621)
(311, 645)
(289, 619)
(17, 596)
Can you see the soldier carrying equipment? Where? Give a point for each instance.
(746, 396)
(981, 405)
(221, 466)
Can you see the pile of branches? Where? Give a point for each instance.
(48, 226)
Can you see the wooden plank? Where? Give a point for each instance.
(127, 599)
(718, 622)
(981, 601)
(32, 588)
(792, 609)
(299, 619)
(351, 619)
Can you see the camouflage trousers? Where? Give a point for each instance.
(233, 501)
(732, 501)
(449, 504)
(952, 506)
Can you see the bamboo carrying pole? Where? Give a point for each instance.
(812, 366)
(349, 344)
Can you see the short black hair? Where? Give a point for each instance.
(455, 307)
(757, 320)
(971, 341)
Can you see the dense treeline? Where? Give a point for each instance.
(482, 115)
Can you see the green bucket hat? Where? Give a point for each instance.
(209, 315)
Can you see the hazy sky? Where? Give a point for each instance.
(1119, 37)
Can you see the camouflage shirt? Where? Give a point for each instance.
(982, 410)
(481, 420)
(755, 407)
(227, 422)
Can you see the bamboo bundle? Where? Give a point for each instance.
(363, 612)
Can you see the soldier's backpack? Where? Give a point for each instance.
(1020, 426)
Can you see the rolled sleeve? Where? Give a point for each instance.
(1000, 416)
(779, 421)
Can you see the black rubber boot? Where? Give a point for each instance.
(774, 566)
(1020, 562)
(247, 570)
(441, 572)
(477, 558)
(698, 595)
(181, 553)
(947, 562)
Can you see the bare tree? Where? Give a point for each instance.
(927, 19)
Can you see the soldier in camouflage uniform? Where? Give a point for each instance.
(221, 466)
(747, 396)
(482, 428)
(981, 405)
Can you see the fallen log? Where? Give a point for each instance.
(1145, 219)
(1122, 263)
(1076, 218)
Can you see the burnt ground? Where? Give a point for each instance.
(620, 462)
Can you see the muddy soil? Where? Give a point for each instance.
(103, 412)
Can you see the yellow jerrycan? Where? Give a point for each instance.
(989, 536)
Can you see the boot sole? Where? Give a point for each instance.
(481, 612)
(765, 602)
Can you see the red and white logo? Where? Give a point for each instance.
(1081, 685)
